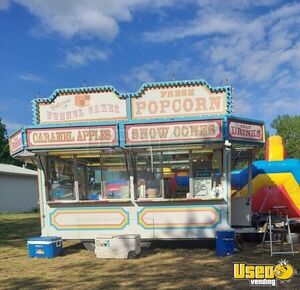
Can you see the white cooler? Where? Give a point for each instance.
(118, 247)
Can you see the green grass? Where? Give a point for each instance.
(156, 269)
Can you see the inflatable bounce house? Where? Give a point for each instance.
(275, 181)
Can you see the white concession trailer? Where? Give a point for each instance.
(155, 163)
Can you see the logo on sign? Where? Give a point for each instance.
(40, 252)
(82, 100)
(264, 274)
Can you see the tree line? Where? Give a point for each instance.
(4, 147)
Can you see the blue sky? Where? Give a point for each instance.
(252, 45)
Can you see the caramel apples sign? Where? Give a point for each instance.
(74, 137)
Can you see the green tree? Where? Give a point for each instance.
(4, 148)
(4, 151)
(288, 127)
(261, 153)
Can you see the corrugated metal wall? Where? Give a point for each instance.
(18, 193)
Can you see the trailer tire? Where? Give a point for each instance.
(89, 245)
(132, 255)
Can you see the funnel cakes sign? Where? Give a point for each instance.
(246, 131)
(83, 107)
(181, 101)
(193, 131)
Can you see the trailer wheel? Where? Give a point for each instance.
(89, 245)
(132, 255)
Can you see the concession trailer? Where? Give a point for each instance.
(155, 163)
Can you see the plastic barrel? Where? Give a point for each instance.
(225, 243)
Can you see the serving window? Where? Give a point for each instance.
(207, 181)
(141, 173)
(148, 173)
(90, 177)
(107, 177)
(61, 179)
(179, 173)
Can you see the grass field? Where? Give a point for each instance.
(157, 268)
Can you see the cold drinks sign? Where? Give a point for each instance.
(246, 131)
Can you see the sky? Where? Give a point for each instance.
(254, 46)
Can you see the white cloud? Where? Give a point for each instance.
(4, 4)
(156, 70)
(243, 104)
(32, 77)
(236, 39)
(213, 17)
(254, 44)
(81, 56)
(179, 69)
(87, 18)
(280, 106)
(12, 126)
(200, 26)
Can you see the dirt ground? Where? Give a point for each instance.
(163, 266)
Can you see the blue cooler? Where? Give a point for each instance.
(225, 243)
(44, 247)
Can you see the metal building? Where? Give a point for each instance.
(18, 189)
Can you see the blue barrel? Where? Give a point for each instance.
(225, 243)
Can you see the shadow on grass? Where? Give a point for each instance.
(17, 228)
(29, 283)
(166, 265)
(73, 248)
(184, 244)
